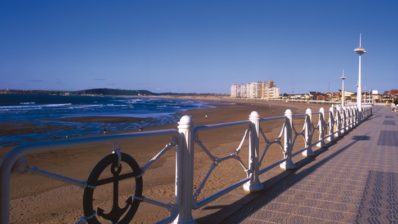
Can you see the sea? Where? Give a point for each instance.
(34, 117)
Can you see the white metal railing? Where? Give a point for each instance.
(349, 103)
(15, 161)
(305, 101)
(340, 121)
(185, 139)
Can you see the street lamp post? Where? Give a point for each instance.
(343, 77)
(360, 51)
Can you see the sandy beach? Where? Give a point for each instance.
(37, 199)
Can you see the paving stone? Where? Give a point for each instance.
(354, 181)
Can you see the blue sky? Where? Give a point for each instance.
(196, 46)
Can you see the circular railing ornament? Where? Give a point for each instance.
(115, 162)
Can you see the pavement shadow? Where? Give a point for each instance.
(246, 206)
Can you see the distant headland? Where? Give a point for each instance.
(101, 92)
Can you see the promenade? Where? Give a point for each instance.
(354, 181)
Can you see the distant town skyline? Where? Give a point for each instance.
(197, 46)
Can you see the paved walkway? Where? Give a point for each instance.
(354, 181)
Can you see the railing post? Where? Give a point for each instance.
(342, 113)
(354, 109)
(254, 184)
(346, 119)
(349, 118)
(367, 112)
(343, 120)
(184, 171)
(321, 124)
(288, 141)
(354, 117)
(337, 126)
(358, 115)
(308, 133)
(349, 111)
(331, 124)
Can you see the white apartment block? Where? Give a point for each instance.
(255, 90)
(235, 91)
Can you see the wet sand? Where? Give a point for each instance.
(103, 119)
(37, 199)
(26, 128)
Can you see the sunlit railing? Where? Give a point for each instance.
(186, 140)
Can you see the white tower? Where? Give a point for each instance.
(343, 77)
(360, 51)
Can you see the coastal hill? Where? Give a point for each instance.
(100, 92)
(114, 92)
(97, 91)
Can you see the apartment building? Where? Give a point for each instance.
(255, 90)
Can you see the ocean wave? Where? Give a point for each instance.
(176, 107)
(155, 111)
(27, 103)
(67, 106)
(16, 108)
(32, 106)
(116, 105)
(129, 101)
(84, 106)
(56, 105)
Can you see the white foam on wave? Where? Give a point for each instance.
(129, 101)
(83, 106)
(69, 106)
(56, 105)
(21, 107)
(27, 103)
(25, 107)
